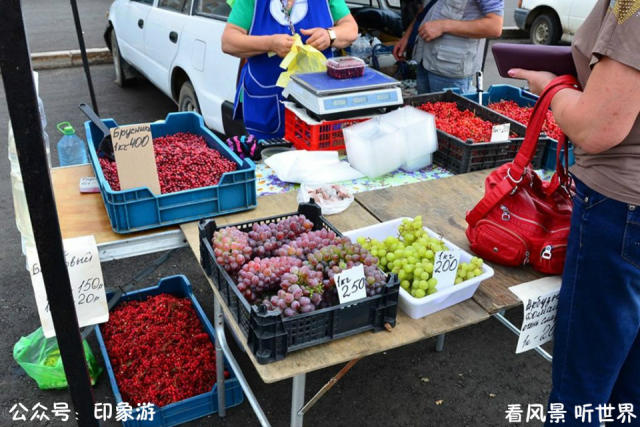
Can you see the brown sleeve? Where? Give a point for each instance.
(619, 35)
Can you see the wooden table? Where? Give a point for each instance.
(443, 204)
(81, 214)
(298, 363)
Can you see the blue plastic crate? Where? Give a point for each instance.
(549, 162)
(188, 409)
(497, 93)
(139, 209)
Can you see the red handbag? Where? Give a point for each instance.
(522, 219)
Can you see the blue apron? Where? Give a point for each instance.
(262, 108)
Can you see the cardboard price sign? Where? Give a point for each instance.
(87, 284)
(135, 158)
(351, 284)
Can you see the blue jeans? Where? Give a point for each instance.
(596, 350)
(427, 82)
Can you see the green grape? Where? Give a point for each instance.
(423, 284)
(477, 272)
(425, 275)
(420, 293)
(458, 281)
(431, 291)
(405, 285)
(429, 268)
(418, 271)
(391, 256)
(433, 282)
(430, 254)
(402, 274)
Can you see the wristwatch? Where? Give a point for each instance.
(332, 36)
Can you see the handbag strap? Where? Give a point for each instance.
(526, 151)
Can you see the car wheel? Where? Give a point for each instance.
(545, 30)
(188, 101)
(119, 64)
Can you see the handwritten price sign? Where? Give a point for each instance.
(351, 284)
(87, 284)
(445, 266)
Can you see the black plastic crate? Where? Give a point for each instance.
(270, 335)
(460, 156)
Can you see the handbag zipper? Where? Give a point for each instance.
(546, 251)
(507, 214)
(524, 242)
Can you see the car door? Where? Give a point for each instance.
(580, 9)
(129, 25)
(162, 39)
(213, 73)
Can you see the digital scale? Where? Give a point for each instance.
(330, 99)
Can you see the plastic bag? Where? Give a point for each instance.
(302, 58)
(40, 359)
(332, 199)
(311, 167)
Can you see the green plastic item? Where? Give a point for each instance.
(40, 359)
(65, 128)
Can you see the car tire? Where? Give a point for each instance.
(187, 100)
(545, 30)
(120, 66)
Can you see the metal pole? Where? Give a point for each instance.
(83, 53)
(297, 399)
(20, 91)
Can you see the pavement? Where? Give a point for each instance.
(470, 383)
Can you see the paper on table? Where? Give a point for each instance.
(540, 302)
(311, 167)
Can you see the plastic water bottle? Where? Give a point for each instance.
(71, 149)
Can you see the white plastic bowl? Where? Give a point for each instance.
(421, 307)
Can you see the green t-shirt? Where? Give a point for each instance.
(242, 11)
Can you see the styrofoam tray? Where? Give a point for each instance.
(421, 307)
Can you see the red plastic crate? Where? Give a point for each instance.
(326, 135)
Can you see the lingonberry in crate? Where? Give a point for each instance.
(159, 351)
(184, 161)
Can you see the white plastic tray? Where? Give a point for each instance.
(421, 307)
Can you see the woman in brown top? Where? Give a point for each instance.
(597, 336)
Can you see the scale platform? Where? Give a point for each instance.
(329, 98)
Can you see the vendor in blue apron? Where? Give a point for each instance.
(257, 27)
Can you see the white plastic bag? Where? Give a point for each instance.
(316, 167)
(332, 198)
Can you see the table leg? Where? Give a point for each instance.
(297, 399)
(219, 325)
(221, 340)
(513, 328)
(440, 342)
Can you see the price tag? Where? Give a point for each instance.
(87, 284)
(89, 184)
(135, 158)
(500, 132)
(351, 284)
(540, 302)
(445, 266)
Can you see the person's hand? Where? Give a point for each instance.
(538, 80)
(431, 30)
(281, 44)
(318, 37)
(400, 48)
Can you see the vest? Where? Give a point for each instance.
(448, 55)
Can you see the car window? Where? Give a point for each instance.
(175, 5)
(212, 8)
(149, 2)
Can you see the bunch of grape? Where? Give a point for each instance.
(262, 275)
(231, 249)
(411, 256)
(265, 239)
(292, 301)
(468, 270)
(307, 242)
(343, 255)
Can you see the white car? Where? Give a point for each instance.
(549, 21)
(176, 45)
